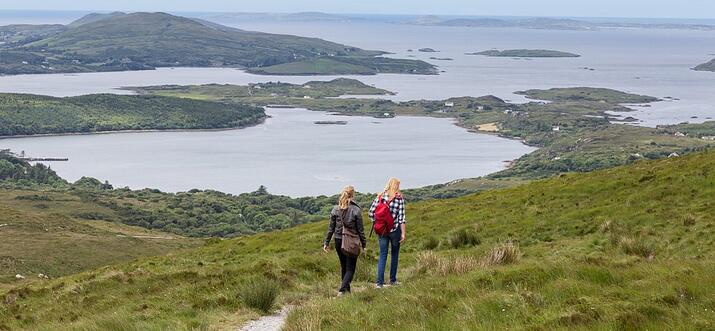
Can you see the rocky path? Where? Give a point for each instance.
(268, 323)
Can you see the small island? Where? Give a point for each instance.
(709, 66)
(525, 53)
(331, 122)
(441, 58)
(427, 50)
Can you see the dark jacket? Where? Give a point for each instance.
(353, 219)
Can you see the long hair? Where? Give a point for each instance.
(346, 196)
(392, 187)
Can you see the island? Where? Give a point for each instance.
(427, 50)
(26, 114)
(708, 66)
(145, 41)
(525, 53)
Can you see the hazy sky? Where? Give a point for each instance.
(592, 8)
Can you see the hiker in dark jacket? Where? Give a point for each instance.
(346, 214)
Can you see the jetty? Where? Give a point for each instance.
(46, 159)
(331, 122)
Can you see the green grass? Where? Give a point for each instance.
(49, 234)
(553, 265)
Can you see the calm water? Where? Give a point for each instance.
(289, 154)
(292, 156)
(653, 62)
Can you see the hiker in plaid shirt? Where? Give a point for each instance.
(391, 241)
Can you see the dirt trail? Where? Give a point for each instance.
(269, 323)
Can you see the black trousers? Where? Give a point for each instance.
(347, 267)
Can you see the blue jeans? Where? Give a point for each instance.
(391, 240)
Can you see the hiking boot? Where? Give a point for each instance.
(396, 283)
(378, 286)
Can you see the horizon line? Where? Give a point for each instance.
(355, 14)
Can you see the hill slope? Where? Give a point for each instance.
(49, 233)
(624, 248)
(136, 41)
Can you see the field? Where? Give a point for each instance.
(623, 248)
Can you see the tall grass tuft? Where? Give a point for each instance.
(501, 254)
(430, 263)
(638, 246)
(259, 294)
(463, 238)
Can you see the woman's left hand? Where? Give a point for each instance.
(402, 239)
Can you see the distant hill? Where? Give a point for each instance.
(94, 17)
(525, 53)
(709, 66)
(137, 41)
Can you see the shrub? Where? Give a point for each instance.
(431, 243)
(259, 294)
(507, 253)
(463, 238)
(689, 220)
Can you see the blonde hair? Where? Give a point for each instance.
(346, 195)
(392, 187)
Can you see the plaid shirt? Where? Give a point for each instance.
(397, 209)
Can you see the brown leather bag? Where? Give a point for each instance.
(351, 245)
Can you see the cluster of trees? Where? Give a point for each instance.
(22, 114)
(19, 171)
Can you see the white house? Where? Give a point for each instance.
(307, 97)
(449, 104)
(556, 128)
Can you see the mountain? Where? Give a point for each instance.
(708, 66)
(625, 248)
(117, 41)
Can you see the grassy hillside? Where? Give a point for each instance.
(624, 248)
(25, 114)
(138, 41)
(49, 233)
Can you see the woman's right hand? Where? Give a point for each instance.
(325, 248)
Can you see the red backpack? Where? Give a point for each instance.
(383, 217)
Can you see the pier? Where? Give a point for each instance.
(46, 159)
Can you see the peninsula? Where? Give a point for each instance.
(145, 41)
